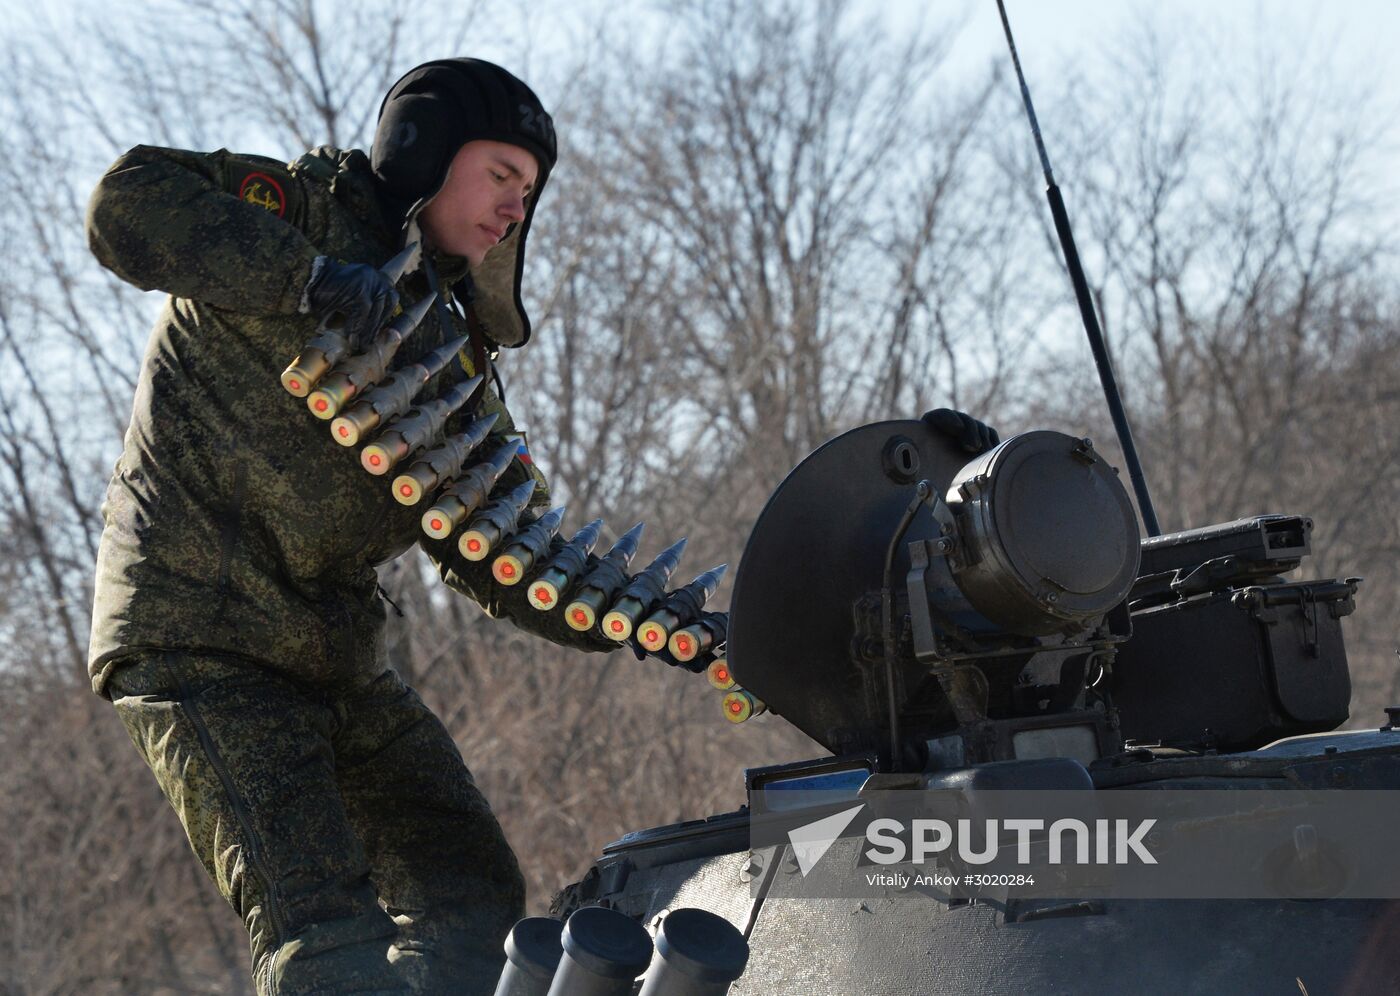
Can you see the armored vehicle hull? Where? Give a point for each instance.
(1232, 671)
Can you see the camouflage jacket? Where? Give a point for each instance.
(233, 523)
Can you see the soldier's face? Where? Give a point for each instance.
(485, 193)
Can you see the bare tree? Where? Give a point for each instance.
(767, 226)
(1249, 299)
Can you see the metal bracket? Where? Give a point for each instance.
(926, 646)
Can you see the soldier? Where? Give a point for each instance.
(238, 627)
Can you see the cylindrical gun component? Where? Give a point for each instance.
(719, 674)
(465, 495)
(698, 638)
(697, 954)
(598, 587)
(741, 705)
(533, 950)
(441, 464)
(564, 567)
(645, 591)
(526, 548)
(494, 522)
(416, 429)
(392, 396)
(680, 608)
(604, 951)
(357, 373)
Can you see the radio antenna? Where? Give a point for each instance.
(1086, 304)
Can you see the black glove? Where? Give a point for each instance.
(361, 295)
(663, 655)
(973, 436)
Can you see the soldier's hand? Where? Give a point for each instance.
(362, 297)
(663, 655)
(973, 436)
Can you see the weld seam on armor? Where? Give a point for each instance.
(236, 803)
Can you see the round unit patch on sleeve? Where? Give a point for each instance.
(264, 191)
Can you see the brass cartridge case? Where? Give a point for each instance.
(410, 486)
(350, 427)
(741, 706)
(449, 513)
(719, 674)
(619, 623)
(689, 643)
(477, 542)
(545, 589)
(582, 612)
(314, 362)
(656, 630)
(380, 456)
(510, 567)
(331, 395)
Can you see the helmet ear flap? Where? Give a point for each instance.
(414, 143)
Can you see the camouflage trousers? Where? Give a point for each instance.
(344, 829)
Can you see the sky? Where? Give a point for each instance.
(1350, 41)
(1355, 37)
(1362, 31)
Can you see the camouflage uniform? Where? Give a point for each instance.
(238, 627)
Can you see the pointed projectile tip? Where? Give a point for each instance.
(469, 438)
(435, 361)
(460, 393)
(671, 556)
(480, 428)
(520, 495)
(553, 517)
(589, 532)
(455, 346)
(394, 269)
(626, 546)
(414, 313)
(705, 584)
(502, 455)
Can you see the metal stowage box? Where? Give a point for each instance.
(1265, 659)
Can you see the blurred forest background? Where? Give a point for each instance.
(770, 223)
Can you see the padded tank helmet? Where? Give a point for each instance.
(427, 116)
